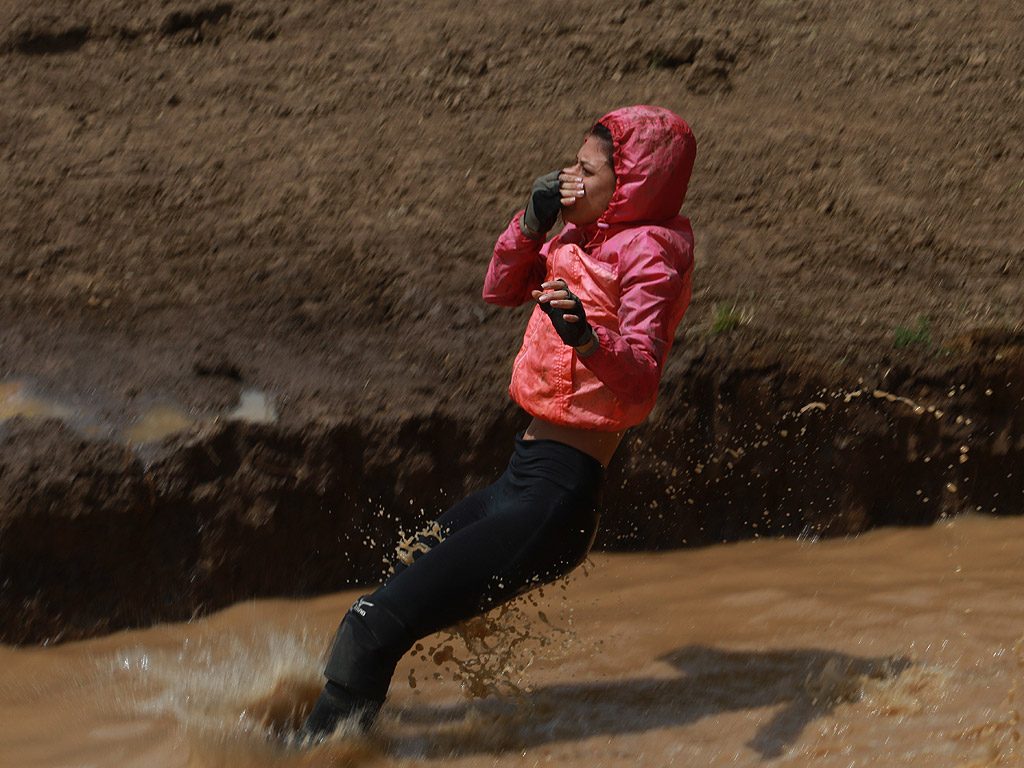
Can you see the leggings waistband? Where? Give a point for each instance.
(556, 462)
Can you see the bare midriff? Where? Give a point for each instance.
(600, 445)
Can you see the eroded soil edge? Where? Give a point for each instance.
(96, 537)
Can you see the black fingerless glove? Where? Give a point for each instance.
(574, 334)
(543, 206)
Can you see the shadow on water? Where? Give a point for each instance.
(805, 684)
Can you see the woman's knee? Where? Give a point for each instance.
(367, 646)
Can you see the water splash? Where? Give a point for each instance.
(409, 546)
(1002, 738)
(490, 655)
(238, 701)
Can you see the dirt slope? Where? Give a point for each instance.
(300, 198)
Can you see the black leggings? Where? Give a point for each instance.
(535, 524)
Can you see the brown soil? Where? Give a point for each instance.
(301, 198)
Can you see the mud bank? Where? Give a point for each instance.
(98, 536)
(202, 198)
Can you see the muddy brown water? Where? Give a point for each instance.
(898, 647)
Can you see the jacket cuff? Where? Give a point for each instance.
(523, 238)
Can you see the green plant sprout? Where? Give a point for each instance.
(727, 317)
(916, 336)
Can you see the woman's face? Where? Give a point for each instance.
(594, 174)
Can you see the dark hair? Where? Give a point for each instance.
(602, 133)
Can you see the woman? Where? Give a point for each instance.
(610, 290)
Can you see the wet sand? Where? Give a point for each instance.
(898, 647)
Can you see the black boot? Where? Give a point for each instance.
(334, 705)
(367, 646)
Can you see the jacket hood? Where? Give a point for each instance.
(653, 157)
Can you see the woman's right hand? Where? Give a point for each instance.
(543, 205)
(548, 195)
(571, 187)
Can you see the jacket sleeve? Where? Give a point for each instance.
(654, 293)
(517, 267)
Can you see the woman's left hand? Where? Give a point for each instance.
(566, 312)
(555, 293)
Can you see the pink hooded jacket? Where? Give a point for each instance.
(631, 270)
